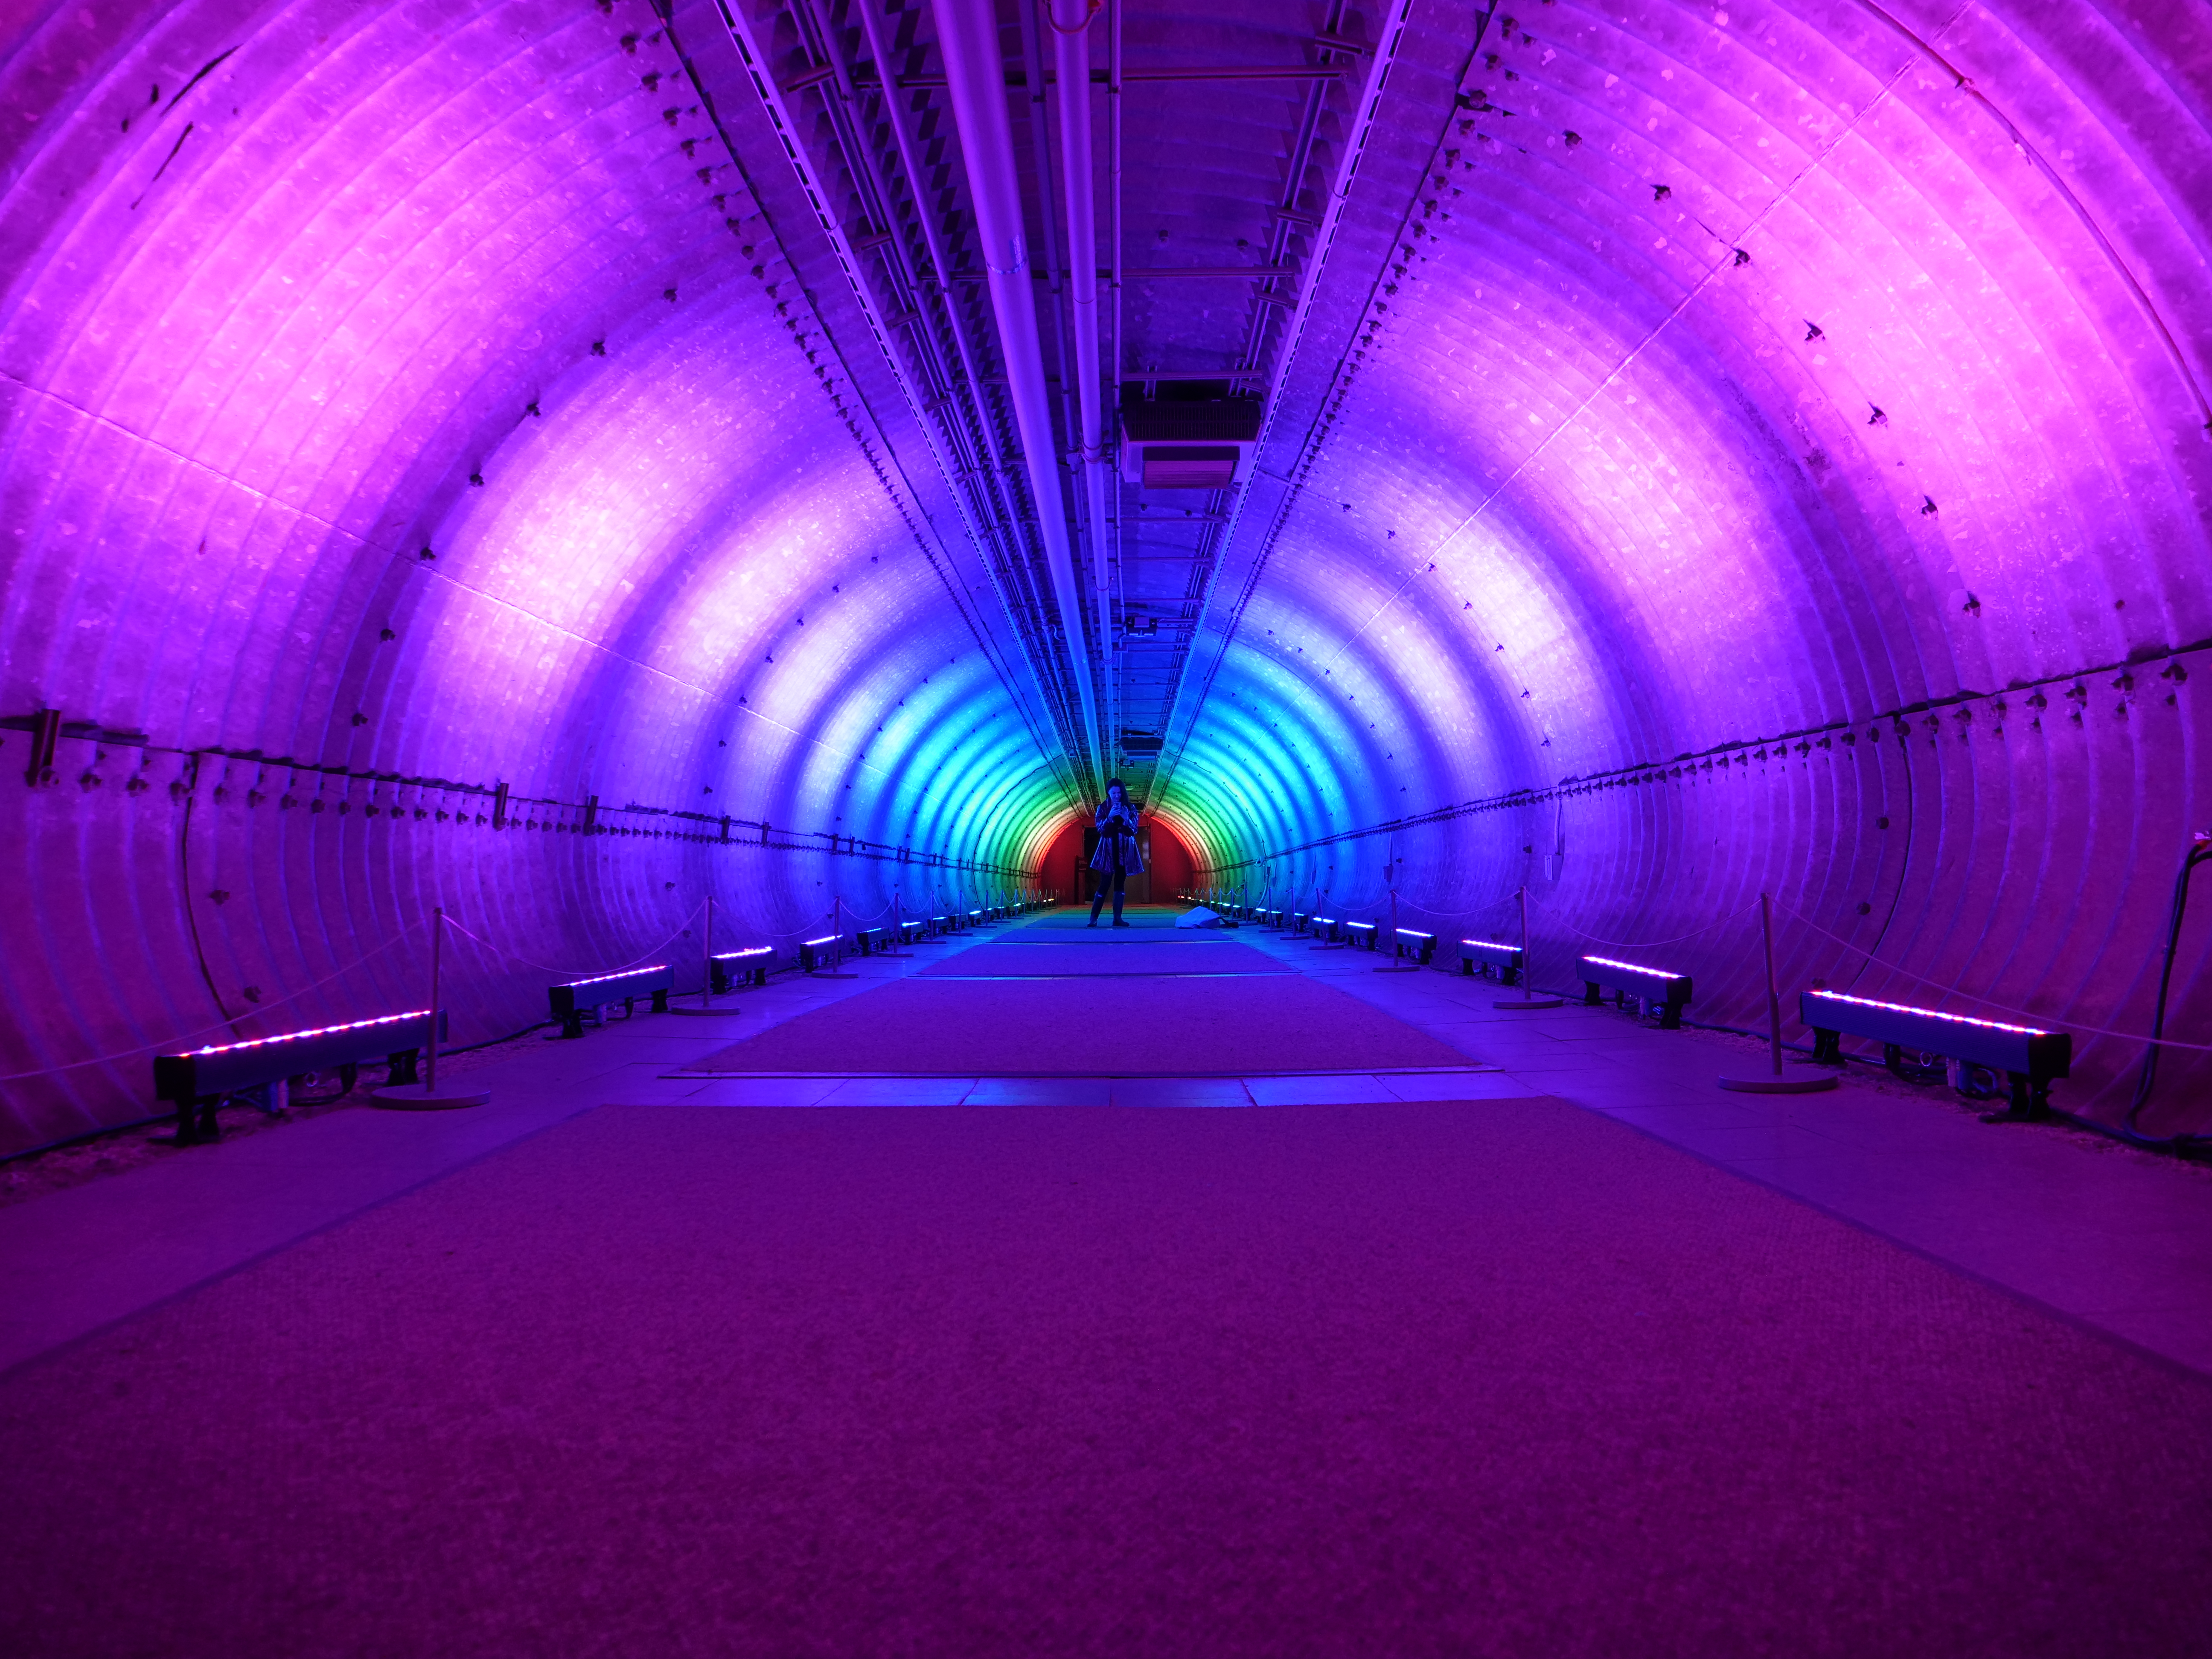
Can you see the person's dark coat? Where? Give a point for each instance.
(1117, 833)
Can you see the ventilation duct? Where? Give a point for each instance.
(1171, 445)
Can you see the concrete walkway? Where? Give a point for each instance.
(2116, 1240)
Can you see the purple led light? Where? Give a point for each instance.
(750, 950)
(319, 1031)
(601, 978)
(1488, 945)
(1931, 1013)
(1635, 968)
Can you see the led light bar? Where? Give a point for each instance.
(1670, 990)
(603, 979)
(1826, 997)
(1416, 943)
(301, 1037)
(756, 959)
(2029, 1057)
(196, 1081)
(1485, 956)
(624, 986)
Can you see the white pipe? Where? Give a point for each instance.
(777, 107)
(1365, 111)
(976, 78)
(1070, 51)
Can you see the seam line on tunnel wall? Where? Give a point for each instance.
(817, 193)
(1725, 752)
(1567, 422)
(415, 568)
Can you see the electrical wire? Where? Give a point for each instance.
(2200, 849)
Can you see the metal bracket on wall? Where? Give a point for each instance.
(45, 727)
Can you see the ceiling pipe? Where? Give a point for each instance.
(777, 108)
(1182, 713)
(976, 78)
(1117, 703)
(1071, 50)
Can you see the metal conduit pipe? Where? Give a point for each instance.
(940, 259)
(976, 78)
(980, 477)
(1071, 47)
(1189, 699)
(774, 104)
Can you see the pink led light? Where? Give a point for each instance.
(1488, 945)
(750, 950)
(1634, 968)
(1931, 1013)
(295, 1036)
(601, 978)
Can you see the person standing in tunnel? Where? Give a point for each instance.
(1119, 856)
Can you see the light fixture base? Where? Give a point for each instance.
(1779, 1085)
(414, 1098)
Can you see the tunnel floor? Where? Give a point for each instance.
(1556, 1350)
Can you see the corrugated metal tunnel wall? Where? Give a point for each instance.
(1758, 448)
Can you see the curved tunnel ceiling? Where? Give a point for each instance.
(567, 460)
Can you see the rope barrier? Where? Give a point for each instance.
(581, 973)
(1653, 944)
(220, 1025)
(1459, 915)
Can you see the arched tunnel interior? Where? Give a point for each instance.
(566, 461)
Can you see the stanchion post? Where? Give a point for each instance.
(426, 1096)
(1774, 1083)
(707, 962)
(1527, 1001)
(1395, 966)
(430, 1047)
(1774, 991)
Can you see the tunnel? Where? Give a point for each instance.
(1696, 457)
(547, 463)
